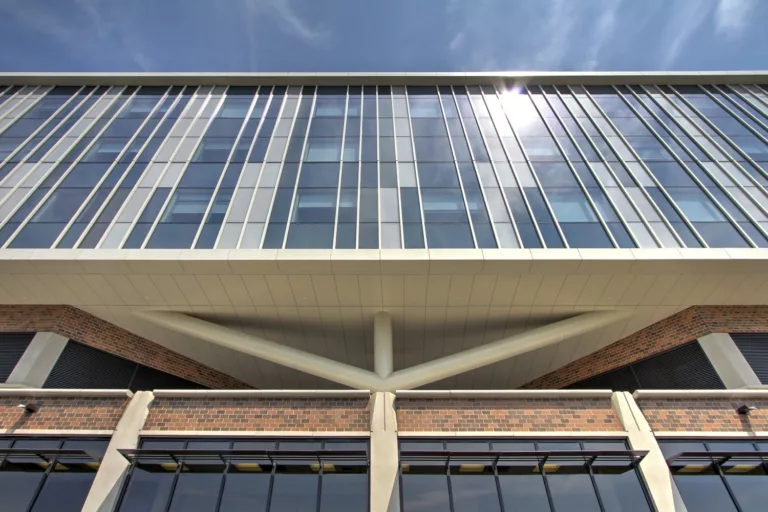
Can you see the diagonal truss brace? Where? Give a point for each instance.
(383, 379)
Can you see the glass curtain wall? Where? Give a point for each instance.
(388, 167)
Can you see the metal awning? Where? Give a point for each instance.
(264, 456)
(686, 458)
(32, 455)
(493, 458)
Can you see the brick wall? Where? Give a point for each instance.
(62, 413)
(704, 415)
(260, 414)
(666, 334)
(92, 331)
(505, 415)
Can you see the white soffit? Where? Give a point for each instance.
(441, 301)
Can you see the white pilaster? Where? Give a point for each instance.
(653, 467)
(38, 360)
(109, 479)
(385, 455)
(728, 361)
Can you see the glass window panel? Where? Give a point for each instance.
(433, 149)
(704, 492)
(424, 106)
(720, 234)
(522, 490)
(555, 175)
(390, 236)
(319, 175)
(61, 205)
(425, 493)
(585, 235)
(619, 487)
(314, 235)
(474, 492)
(147, 491)
(670, 174)
(443, 205)
(314, 206)
(323, 150)
(407, 174)
(696, 206)
(570, 205)
(438, 175)
(197, 490)
(749, 488)
(448, 235)
(572, 489)
(404, 149)
(390, 211)
(344, 492)
(346, 236)
(18, 487)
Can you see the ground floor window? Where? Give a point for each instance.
(719, 474)
(228, 475)
(503, 475)
(48, 473)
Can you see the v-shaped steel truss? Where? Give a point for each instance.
(383, 378)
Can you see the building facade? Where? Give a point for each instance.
(384, 292)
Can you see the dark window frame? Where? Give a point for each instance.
(590, 457)
(134, 457)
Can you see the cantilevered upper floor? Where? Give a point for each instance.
(389, 161)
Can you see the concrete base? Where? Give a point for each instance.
(109, 479)
(38, 360)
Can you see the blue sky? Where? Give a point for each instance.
(386, 35)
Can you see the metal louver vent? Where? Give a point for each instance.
(621, 379)
(684, 367)
(148, 378)
(12, 347)
(80, 366)
(754, 348)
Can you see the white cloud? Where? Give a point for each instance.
(683, 22)
(557, 34)
(733, 16)
(293, 23)
(602, 35)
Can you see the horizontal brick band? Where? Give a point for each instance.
(62, 413)
(260, 414)
(665, 334)
(89, 330)
(506, 415)
(706, 415)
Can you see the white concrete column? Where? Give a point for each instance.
(109, 479)
(38, 360)
(728, 361)
(385, 455)
(654, 467)
(382, 344)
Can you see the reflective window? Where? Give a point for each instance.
(593, 166)
(50, 474)
(527, 475)
(716, 475)
(228, 475)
